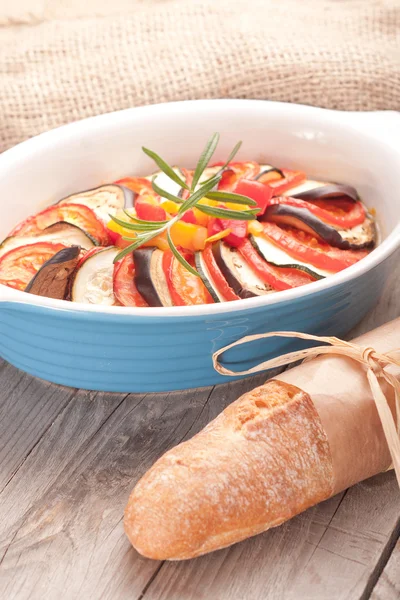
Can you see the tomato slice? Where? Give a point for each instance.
(149, 212)
(185, 288)
(258, 192)
(291, 179)
(235, 172)
(279, 278)
(139, 185)
(223, 287)
(306, 248)
(124, 283)
(20, 265)
(77, 214)
(332, 213)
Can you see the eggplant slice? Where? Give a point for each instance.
(150, 279)
(279, 258)
(319, 190)
(356, 238)
(93, 279)
(52, 279)
(61, 232)
(105, 200)
(206, 277)
(238, 273)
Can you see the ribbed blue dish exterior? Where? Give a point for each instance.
(121, 353)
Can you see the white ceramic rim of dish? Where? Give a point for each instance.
(351, 120)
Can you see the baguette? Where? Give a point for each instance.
(263, 460)
(273, 453)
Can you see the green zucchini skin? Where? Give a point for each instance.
(294, 265)
(206, 281)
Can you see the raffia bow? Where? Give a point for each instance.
(373, 361)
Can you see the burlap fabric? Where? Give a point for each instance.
(335, 53)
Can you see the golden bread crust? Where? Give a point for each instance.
(263, 460)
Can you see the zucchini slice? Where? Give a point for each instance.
(104, 200)
(275, 256)
(52, 279)
(150, 279)
(206, 277)
(93, 279)
(238, 273)
(355, 238)
(62, 232)
(265, 169)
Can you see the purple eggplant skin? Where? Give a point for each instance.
(143, 276)
(334, 190)
(52, 279)
(230, 278)
(269, 170)
(304, 219)
(129, 195)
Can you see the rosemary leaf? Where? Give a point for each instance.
(164, 193)
(204, 159)
(179, 256)
(137, 226)
(225, 213)
(144, 221)
(165, 168)
(198, 195)
(230, 157)
(222, 196)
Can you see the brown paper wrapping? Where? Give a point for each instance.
(341, 392)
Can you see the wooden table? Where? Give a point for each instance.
(69, 459)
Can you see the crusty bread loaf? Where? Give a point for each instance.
(260, 462)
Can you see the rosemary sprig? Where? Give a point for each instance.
(147, 230)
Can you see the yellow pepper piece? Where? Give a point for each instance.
(189, 236)
(170, 207)
(255, 227)
(218, 236)
(201, 218)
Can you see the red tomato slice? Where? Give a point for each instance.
(20, 265)
(237, 171)
(279, 278)
(149, 212)
(238, 229)
(258, 192)
(291, 179)
(77, 214)
(223, 287)
(306, 248)
(185, 288)
(334, 214)
(139, 185)
(124, 283)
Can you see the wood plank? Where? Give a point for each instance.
(61, 515)
(388, 585)
(28, 406)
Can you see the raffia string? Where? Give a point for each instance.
(373, 361)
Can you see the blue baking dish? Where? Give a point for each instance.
(125, 349)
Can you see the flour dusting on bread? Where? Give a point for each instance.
(264, 459)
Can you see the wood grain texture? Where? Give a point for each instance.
(69, 460)
(388, 585)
